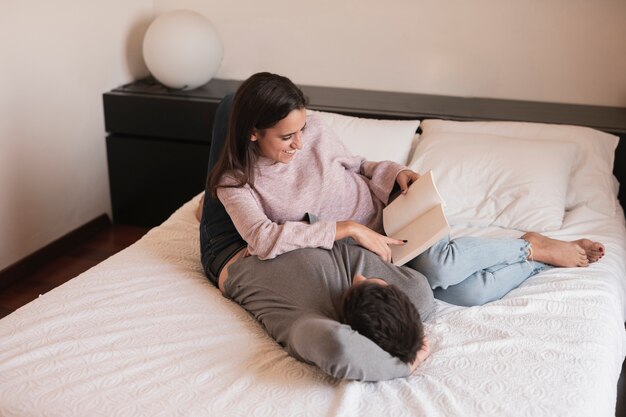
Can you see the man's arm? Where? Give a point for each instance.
(342, 352)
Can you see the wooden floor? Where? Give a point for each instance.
(74, 261)
(99, 247)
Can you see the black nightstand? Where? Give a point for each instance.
(158, 147)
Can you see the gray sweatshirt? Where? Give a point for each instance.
(298, 297)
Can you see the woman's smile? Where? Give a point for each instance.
(281, 141)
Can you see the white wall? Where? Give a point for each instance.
(571, 51)
(57, 60)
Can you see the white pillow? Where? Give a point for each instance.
(592, 181)
(374, 139)
(493, 180)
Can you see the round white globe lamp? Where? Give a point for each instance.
(182, 49)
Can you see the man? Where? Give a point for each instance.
(313, 301)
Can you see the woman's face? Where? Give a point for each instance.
(281, 141)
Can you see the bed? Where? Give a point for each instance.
(145, 334)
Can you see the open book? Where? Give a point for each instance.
(417, 217)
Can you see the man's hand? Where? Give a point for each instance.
(422, 354)
(199, 208)
(405, 178)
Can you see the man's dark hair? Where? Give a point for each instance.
(385, 315)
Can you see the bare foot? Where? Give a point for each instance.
(594, 250)
(557, 252)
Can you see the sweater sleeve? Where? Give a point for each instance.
(268, 239)
(342, 352)
(382, 177)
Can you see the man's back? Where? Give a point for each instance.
(298, 298)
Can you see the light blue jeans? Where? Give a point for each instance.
(471, 271)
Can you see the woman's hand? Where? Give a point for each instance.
(405, 178)
(367, 238)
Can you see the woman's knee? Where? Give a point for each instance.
(433, 271)
(461, 298)
(437, 265)
(467, 293)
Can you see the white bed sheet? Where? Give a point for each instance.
(145, 334)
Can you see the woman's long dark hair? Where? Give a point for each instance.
(261, 101)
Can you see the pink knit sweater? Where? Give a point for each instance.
(323, 179)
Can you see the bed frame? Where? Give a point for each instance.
(156, 131)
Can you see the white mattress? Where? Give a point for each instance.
(145, 334)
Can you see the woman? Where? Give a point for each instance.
(279, 166)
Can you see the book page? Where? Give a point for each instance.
(420, 235)
(421, 196)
